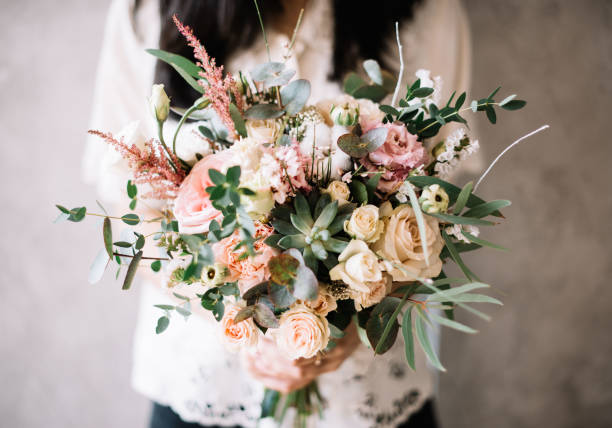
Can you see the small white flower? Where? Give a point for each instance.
(159, 103)
(402, 194)
(457, 231)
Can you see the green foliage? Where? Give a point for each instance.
(238, 124)
(382, 326)
(131, 272)
(382, 82)
(359, 146)
(162, 324)
(295, 95)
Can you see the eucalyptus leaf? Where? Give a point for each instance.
(263, 111)
(264, 316)
(162, 324)
(486, 208)
(266, 70)
(463, 198)
(131, 219)
(295, 95)
(237, 119)
(352, 82)
(421, 334)
(371, 92)
(408, 337)
(176, 60)
(131, 271)
(373, 70)
(451, 323)
(107, 234)
(375, 138)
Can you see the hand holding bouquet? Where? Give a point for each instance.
(296, 223)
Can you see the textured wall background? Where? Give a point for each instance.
(542, 362)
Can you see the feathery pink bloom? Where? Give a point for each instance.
(150, 166)
(216, 88)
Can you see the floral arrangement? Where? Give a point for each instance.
(291, 220)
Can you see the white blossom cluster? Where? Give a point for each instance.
(299, 123)
(457, 231)
(455, 150)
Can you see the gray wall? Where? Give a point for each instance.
(542, 362)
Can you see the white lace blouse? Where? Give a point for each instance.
(186, 367)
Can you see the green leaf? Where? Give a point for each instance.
(295, 95)
(423, 92)
(233, 175)
(408, 337)
(162, 324)
(302, 209)
(193, 242)
(352, 82)
(514, 105)
(133, 203)
(451, 323)
(490, 111)
(140, 242)
(455, 219)
(382, 327)
(424, 341)
(373, 70)
(476, 298)
(300, 224)
(327, 215)
(63, 209)
(264, 316)
(449, 293)
(280, 295)
(335, 245)
(266, 71)
(490, 97)
(107, 234)
(132, 190)
(123, 244)
(482, 242)
(131, 219)
(487, 208)
(284, 227)
(371, 92)
(77, 214)
(371, 185)
(164, 307)
(98, 267)
(283, 269)
(375, 138)
(359, 191)
(179, 61)
(416, 207)
(460, 101)
(292, 241)
(131, 271)
(352, 145)
(156, 266)
(389, 110)
(319, 250)
(263, 111)
(190, 80)
(452, 190)
(456, 257)
(237, 119)
(216, 177)
(463, 198)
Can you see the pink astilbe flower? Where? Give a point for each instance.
(216, 88)
(150, 166)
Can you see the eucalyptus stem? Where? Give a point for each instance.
(141, 258)
(455, 113)
(294, 35)
(263, 30)
(160, 131)
(113, 217)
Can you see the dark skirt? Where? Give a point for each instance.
(164, 417)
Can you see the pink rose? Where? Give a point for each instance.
(192, 207)
(302, 332)
(400, 153)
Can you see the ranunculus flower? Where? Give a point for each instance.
(263, 131)
(401, 243)
(400, 153)
(237, 335)
(365, 224)
(302, 332)
(357, 267)
(192, 207)
(338, 191)
(434, 199)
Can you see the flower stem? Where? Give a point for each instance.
(142, 258)
(454, 114)
(263, 30)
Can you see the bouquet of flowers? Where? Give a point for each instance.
(294, 220)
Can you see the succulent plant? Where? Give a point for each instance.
(312, 230)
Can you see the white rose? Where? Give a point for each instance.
(358, 267)
(365, 224)
(338, 191)
(401, 243)
(302, 333)
(263, 131)
(189, 142)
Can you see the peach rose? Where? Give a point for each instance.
(324, 304)
(237, 335)
(377, 291)
(192, 207)
(401, 243)
(302, 332)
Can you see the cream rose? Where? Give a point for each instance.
(365, 224)
(401, 243)
(324, 304)
(302, 332)
(339, 191)
(263, 131)
(377, 292)
(237, 335)
(357, 267)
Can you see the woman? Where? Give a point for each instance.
(185, 369)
